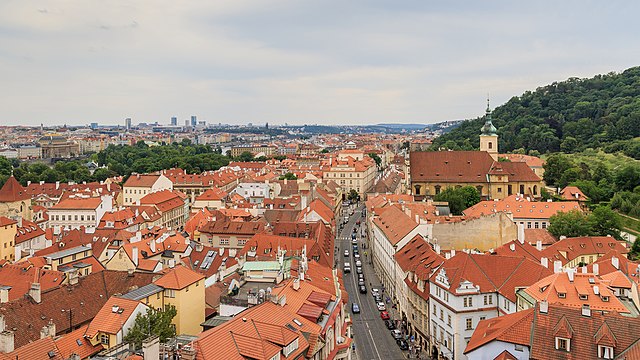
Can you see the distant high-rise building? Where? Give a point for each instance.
(127, 123)
(94, 125)
(174, 121)
(194, 121)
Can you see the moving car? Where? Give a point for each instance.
(363, 290)
(347, 267)
(377, 298)
(381, 306)
(346, 253)
(355, 308)
(358, 222)
(384, 315)
(391, 325)
(402, 344)
(397, 334)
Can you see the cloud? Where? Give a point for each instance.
(297, 62)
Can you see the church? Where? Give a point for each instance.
(434, 171)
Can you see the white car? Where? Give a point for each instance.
(381, 306)
(358, 263)
(346, 253)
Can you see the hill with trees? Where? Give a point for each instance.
(568, 116)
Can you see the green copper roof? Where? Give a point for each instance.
(488, 128)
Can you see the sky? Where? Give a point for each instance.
(296, 61)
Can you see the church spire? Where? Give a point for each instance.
(488, 129)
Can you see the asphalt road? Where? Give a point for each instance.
(371, 337)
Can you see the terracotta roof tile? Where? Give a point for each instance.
(515, 329)
(12, 191)
(112, 316)
(178, 278)
(521, 208)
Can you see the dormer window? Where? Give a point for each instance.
(605, 298)
(584, 297)
(605, 352)
(562, 295)
(563, 344)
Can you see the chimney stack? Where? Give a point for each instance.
(4, 294)
(570, 274)
(615, 262)
(596, 269)
(539, 245)
(557, 266)
(544, 262)
(544, 307)
(34, 292)
(134, 255)
(521, 233)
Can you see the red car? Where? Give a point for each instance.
(384, 315)
(358, 222)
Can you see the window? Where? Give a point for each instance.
(224, 241)
(605, 352)
(441, 314)
(536, 225)
(469, 323)
(528, 224)
(562, 344)
(434, 309)
(490, 145)
(482, 318)
(170, 293)
(499, 190)
(519, 347)
(449, 319)
(104, 339)
(437, 188)
(468, 301)
(60, 261)
(486, 301)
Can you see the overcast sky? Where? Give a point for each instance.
(296, 61)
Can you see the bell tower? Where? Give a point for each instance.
(489, 136)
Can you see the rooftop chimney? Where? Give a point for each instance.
(586, 310)
(544, 307)
(296, 284)
(4, 294)
(114, 308)
(596, 269)
(544, 262)
(134, 255)
(539, 245)
(73, 277)
(557, 266)
(521, 233)
(615, 262)
(570, 274)
(512, 247)
(34, 292)
(584, 269)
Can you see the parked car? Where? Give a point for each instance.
(358, 222)
(356, 256)
(360, 276)
(384, 315)
(397, 334)
(355, 308)
(361, 282)
(391, 325)
(363, 289)
(346, 253)
(353, 237)
(347, 267)
(375, 291)
(402, 344)
(377, 298)
(359, 270)
(381, 306)
(358, 263)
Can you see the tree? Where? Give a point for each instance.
(459, 199)
(628, 178)
(376, 158)
(604, 222)
(555, 167)
(288, 176)
(570, 224)
(153, 322)
(634, 253)
(353, 195)
(245, 156)
(324, 151)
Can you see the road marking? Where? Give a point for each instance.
(373, 341)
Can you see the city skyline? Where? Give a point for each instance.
(296, 63)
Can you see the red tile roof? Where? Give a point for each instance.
(395, 224)
(570, 249)
(12, 191)
(5, 221)
(29, 230)
(109, 321)
(20, 277)
(86, 299)
(37, 350)
(450, 166)
(573, 193)
(178, 278)
(521, 208)
(141, 180)
(212, 194)
(481, 270)
(78, 204)
(515, 329)
(76, 343)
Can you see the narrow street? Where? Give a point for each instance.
(372, 338)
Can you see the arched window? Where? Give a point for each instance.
(535, 189)
(479, 187)
(417, 192)
(437, 187)
(490, 145)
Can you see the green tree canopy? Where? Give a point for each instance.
(288, 176)
(376, 158)
(459, 199)
(153, 322)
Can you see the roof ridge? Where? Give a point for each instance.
(513, 271)
(481, 270)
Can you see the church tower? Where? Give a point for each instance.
(488, 136)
